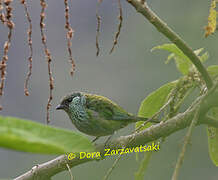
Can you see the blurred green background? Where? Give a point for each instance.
(126, 76)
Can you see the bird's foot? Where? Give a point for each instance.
(95, 139)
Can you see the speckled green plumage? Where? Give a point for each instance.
(96, 115)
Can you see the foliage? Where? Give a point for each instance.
(29, 136)
(157, 99)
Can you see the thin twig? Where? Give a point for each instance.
(69, 35)
(98, 17)
(186, 142)
(120, 18)
(143, 165)
(69, 170)
(2, 16)
(157, 113)
(189, 91)
(29, 33)
(48, 57)
(112, 168)
(10, 25)
(117, 160)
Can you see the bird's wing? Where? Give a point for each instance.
(105, 107)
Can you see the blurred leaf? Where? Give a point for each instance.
(182, 66)
(213, 70)
(213, 144)
(154, 101)
(171, 56)
(212, 134)
(204, 57)
(182, 61)
(198, 51)
(211, 26)
(173, 49)
(29, 136)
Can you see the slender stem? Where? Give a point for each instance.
(162, 27)
(143, 166)
(112, 168)
(186, 141)
(69, 170)
(153, 116)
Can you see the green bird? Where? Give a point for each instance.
(96, 115)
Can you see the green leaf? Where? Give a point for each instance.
(213, 70)
(171, 56)
(173, 49)
(29, 136)
(212, 134)
(154, 101)
(182, 66)
(204, 57)
(198, 51)
(182, 61)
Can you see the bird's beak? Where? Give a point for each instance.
(60, 106)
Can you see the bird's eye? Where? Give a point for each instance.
(69, 100)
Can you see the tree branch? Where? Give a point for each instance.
(162, 27)
(163, 129)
